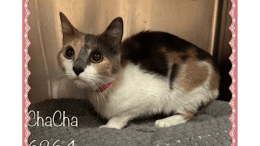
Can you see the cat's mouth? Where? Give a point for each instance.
(84, 84)
(78, 80)
(80, 83)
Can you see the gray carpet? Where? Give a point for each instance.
(210, 127)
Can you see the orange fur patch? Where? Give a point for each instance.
(105, 67)
(192, 75)
(173, 57)
(188, 115)
(214, 81)
(192, 53)
(109, 66)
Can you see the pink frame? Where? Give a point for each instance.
(233, 72)
(26, 73)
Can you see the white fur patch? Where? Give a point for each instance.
(170, 121)
(142, 93)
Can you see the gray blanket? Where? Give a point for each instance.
(210, 127)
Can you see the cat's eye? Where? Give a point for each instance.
(69, 53)
(96, 57)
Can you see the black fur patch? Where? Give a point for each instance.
(173, 74)
(203, 55)
(144, 49)
(90, 38)
(184, 57)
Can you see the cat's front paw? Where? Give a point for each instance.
(110, 126)
(162, 123)
(170, 121)
(116, 122)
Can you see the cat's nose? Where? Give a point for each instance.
(78, 70)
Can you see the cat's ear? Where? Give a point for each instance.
(115, 30)
(68, 29)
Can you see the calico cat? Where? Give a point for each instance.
(148, 73)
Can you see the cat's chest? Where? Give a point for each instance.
(137, 81)
(137, 88)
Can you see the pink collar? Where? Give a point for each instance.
(104, 87)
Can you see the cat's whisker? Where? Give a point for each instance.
(63, 75)
(103, 97)
(101, 93)
(99, 76)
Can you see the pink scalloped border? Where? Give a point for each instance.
(26, 73)
(233, 72)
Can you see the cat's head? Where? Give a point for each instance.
(90, 60)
